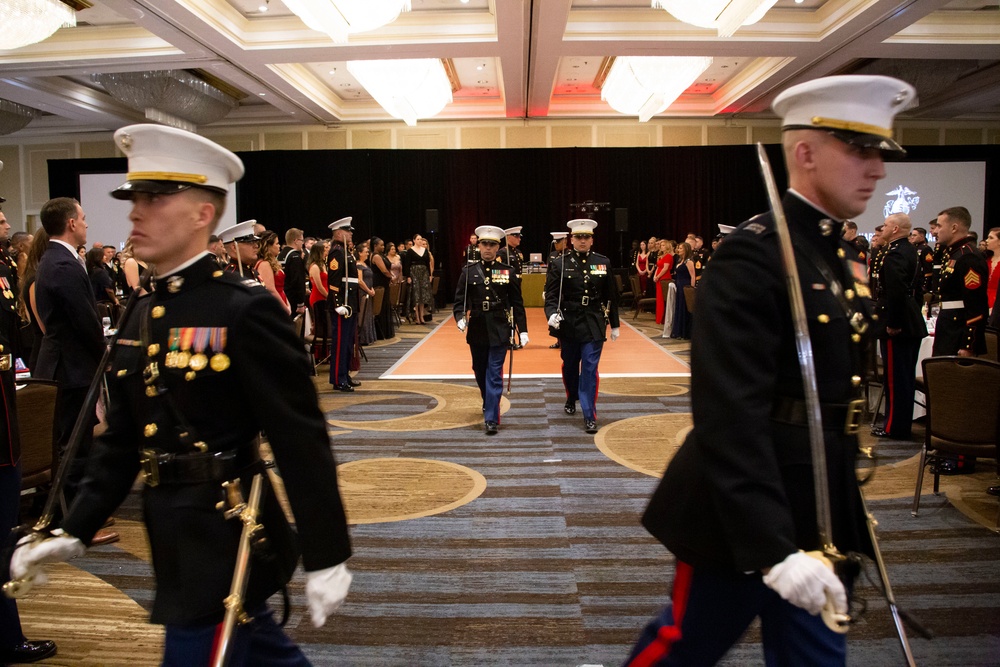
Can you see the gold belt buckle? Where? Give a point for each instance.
(150, 467)
(585, 300)
(5, 362)
(486, 306)
(852, 421)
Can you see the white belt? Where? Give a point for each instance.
(352, 280)
(949, 305)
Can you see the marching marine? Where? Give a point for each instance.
(581, 300)
(186, 409)
(488, 308)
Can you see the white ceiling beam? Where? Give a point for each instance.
(69, 100)
(548, 25)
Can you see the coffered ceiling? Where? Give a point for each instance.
(509, 58)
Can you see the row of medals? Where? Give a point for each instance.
(197, 361)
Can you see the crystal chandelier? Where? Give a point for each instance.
(646, 85)
(170, 97)
(24, 22)
(726, 16)
(407, 89)
(14, 116)
(338, 18)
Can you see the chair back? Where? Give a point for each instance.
(36, 407)
(394, 295)
(689, 296)
(992, 352)
(378, 299)
(299, 323)
(963, 405)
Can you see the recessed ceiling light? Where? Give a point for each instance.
(262, 94)
(798, 2)
(480, 67)
(465, 2)
(264, 6)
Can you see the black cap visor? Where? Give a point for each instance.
(129, 189)
(889, 148)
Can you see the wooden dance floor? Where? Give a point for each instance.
(444, 355)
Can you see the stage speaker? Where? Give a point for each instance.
(621, 219)
(431, 221)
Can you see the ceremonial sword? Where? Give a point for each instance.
(803, 346)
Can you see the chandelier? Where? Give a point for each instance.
(24, 22)
(407, 89)
(726, 16)
(170, 97)
(14, 116)
(338, 18)
(646, 85)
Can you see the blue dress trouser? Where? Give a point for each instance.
(579, 372)
(259, 642)
(487, 364)
(709, 611)
(10, 500)
(344, 331)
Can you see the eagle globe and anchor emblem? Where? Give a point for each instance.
(906, 200)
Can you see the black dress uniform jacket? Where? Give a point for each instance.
(900, 290)
(962, 277)
(589, 296)
(489, 291)
(925, 256)
(738, 495)
(10, 440)
(259, 383)
(294, 265)
(513, 258)
(339, 263)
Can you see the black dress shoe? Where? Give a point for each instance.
(346, 387)
(491, 428)
(570, 407)
(590, 425)
(554, 346)
(879, 432)
(353, 382)
(952, 467)
(993, 490)
(28, 652)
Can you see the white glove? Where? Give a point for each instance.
(341, 310)
(28, 558)
(326, 590)
(524, 338)
(615, 332)
(555, 320)
(462, 324)
(806, 581)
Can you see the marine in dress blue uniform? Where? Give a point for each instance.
(488, 307)
(964, 305)
(511, 255)
(900, 326)
(343, 305)
(206, 363)
(581, 300)
(736, 503)
(241, 245)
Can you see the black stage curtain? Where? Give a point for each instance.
(668, 191)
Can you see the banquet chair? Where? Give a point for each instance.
(377, 310)
(625, 297)
(690, 292)
(394, 303)
(640, 302)
(36, 406)
(992, 353)
(959, 421)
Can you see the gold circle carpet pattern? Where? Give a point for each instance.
(382, 490)
(643, 386)
(456, 406)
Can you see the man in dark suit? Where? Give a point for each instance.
(736, 504)
(293, 261)
(14, 646)
(74, 338)
(900, 326)
(186, 412)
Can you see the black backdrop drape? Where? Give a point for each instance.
(668, 191)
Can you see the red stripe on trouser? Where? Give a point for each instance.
(215, 644)
(597, 390)
(336, 352)
(890, 377)
(10, 433)
(668, 634)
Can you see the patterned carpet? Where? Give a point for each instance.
(525, 548)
